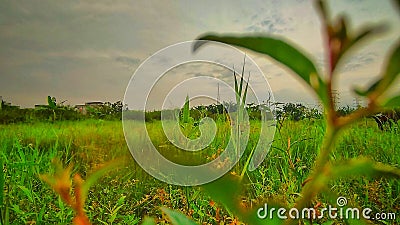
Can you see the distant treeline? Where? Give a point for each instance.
(113, 111)
(280, 111)
(54, 112)
(213, 111)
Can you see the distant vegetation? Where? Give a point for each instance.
(54, 111)
(113, 111)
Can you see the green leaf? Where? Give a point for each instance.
(176, 217)
(148, 221)
(364, 167)
(282, 52)
(392, 102)
(225, 190)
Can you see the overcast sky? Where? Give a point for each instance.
(83, 51)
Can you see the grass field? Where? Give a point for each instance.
(128, 194)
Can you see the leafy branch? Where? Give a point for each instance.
(339, 42)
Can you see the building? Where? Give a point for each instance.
(7, 105)
(82, 108)
(94, 104)
(41, 106)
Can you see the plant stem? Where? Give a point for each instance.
(327, 147)
(316, 179)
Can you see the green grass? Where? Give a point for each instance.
(127, 195)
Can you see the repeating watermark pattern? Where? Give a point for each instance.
(164, 80)
(330, 212)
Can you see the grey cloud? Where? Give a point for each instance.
(273, 23)
(80, 50)
(51, 26)
(357, 61)
(129, 62)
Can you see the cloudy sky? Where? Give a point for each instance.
(83, 51)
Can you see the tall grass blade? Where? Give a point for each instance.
(236, 87)
(245, 92)
(27, 192)
(186, 110)
(241, 80)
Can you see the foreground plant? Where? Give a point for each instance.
(339, 42)
(241, 95)
(74, 192)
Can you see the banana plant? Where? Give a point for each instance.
(52, 104)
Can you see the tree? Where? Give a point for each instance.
(51, 101)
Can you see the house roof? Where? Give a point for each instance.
(94, 103)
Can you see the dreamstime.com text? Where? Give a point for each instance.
(340, 212)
